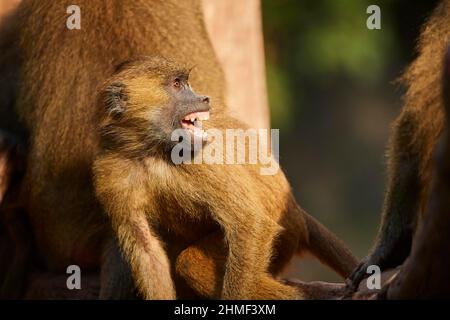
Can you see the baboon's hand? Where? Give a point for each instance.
(360, 273)
(354, 279)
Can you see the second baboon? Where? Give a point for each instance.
(415, 134)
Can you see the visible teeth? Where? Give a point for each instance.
(197, 116)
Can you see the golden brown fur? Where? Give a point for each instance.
(415, 134)
(423, 101)
(59, 71)
(244, 226)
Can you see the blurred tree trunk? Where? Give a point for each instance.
(235, 29)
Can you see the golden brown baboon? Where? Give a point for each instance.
(154, 204)
(59, 71)
(415, 134)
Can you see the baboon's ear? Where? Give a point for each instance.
(115, 98)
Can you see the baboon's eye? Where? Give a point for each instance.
(177, 83)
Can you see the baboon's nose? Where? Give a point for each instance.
(205, 99)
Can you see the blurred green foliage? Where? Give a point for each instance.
(315, 40)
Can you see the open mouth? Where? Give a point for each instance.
(193, 123)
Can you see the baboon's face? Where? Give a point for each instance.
(154, 104)
(188, 109)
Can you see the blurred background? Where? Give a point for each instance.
(331, 94)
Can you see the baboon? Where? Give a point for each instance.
(49, 77)
(415, 134)
(154, 204)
